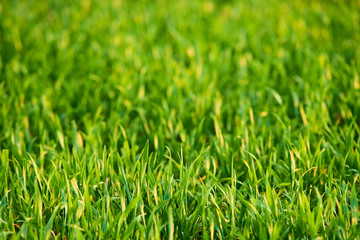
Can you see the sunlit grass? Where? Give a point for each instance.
(179, 119)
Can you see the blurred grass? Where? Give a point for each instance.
(179, 119)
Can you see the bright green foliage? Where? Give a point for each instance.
(180, 119)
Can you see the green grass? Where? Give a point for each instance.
(180, 119)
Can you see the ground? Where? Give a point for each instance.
(179, 119)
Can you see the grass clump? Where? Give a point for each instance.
(179, 119)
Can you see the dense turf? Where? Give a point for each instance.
(180, 119)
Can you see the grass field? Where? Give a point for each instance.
(180, 119)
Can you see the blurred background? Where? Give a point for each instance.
(183, 74)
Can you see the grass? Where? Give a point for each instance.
(180, 119)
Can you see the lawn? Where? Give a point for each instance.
(180, 119)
